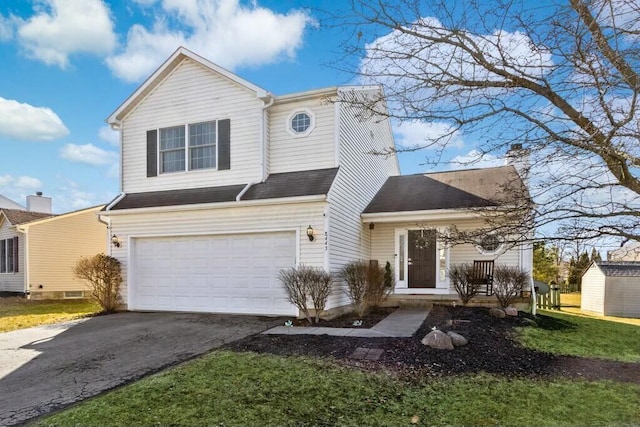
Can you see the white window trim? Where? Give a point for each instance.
(5, 243)
(498, 250)
(312, 123)
(187, 163)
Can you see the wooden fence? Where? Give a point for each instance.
(567, 288)
(550, 300)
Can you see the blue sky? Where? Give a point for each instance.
(67, 64)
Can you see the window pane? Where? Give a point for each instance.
(3, 257)
(401, 263)
(172, 138)
(9, 251)
(172, 161)
(300, 122)
(202, 145)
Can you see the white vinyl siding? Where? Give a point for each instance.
(12, 282)
(592, 294)
(383, 246)
(622, 297)
(193, 94)
(359, 178)
(288, 153)
(224, 221)
(76, 235)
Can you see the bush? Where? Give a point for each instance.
(508, 283)
(355, 274)
(461, 276)
(388, 275)
(104, 275)
(366, 285)
(304, 284)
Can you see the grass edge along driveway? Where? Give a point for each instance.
(19, 313)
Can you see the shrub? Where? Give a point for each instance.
(508, 283)
(461, 276)
(388, 275)
(355, 274)
(304, 284)
(377, 290)
(104, 276)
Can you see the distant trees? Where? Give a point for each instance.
(545, 262)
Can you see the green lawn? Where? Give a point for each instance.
(245, 389)
(19, 313)
(581, 336)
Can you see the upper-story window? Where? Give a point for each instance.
(200, 152)
(301, 122)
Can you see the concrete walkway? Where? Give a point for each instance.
(402, 323)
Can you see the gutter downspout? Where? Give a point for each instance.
(263, 136)
(244, 190)
(115, 201)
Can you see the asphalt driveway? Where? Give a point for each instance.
(48, 367)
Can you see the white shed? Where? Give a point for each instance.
(612, 289)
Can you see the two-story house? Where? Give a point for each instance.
(223, 184)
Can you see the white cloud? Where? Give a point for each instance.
(475, 159)
(89, 154)
(410, 134)
(17, 188)
(107, 134)
(6, 28)
(64, 27)
(224, 31)
(26, 122)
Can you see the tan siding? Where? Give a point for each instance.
(593, 285)
(230, 220)
(359, 178)
(622, 297)
(192, 94)
(13, 282)
(56, 245)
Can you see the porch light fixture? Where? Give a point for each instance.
(310, 233)
(115, 241)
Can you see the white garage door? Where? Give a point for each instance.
(216, 274)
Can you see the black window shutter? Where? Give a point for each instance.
(152, 153)
(224, 144)
(16, 261)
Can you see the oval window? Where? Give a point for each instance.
(489, 243)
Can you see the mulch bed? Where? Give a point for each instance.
(347, 320)
(491, 349)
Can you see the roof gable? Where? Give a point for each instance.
(165, 70)
(461, 189)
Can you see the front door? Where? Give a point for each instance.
(422, 258)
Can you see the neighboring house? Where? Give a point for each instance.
(6, 203)
(223, 184)
(628, 252)
(612, 289)
(40, 250)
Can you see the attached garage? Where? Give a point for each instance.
(212, 273)
(612, 289)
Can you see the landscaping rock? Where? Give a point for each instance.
(511, 311)
(497, 312)
(456, 339)
(529, 322)
(438, 340)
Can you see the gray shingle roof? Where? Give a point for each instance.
(290, 184)
(470, 188)
(16, 216)
(620, 268)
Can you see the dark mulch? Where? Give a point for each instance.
(347, 320)
(492, 349)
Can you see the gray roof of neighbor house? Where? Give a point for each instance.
(280, 185)
(470, 188)
(619, 268)
(16, 216)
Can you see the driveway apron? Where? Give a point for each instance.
(48, 367)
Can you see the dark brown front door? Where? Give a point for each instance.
(422, 259)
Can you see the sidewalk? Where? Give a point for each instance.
(402, 323)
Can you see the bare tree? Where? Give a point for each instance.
(560, 78)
